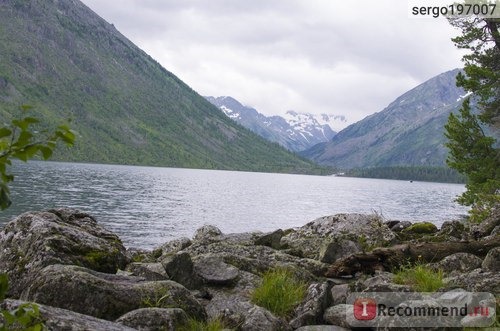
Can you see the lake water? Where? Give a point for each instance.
(148, 206)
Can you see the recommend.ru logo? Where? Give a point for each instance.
(418, 309)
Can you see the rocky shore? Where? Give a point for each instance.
(83, 278)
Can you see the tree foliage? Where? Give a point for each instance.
(420, 173)
(25, 317)
(18, 140)
(472, 152)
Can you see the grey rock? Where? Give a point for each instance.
(337, 315)
(340, 293)
(486, 227)
(454, 228)
(311, 310)
(58, 319)
(214, 271)
(149, 271)
(337, 249)
(256, 259)
(458, 263)
(154, 319)
(260, 319)
(35, 240)
(180, 268)
(106, 296)
(322, 328)
(382, 278)
(175, 246)
(369, 230)
(475, 281)
(400, 226)
(495, 231)
(492, 260)
(206, 232)
(272, 239)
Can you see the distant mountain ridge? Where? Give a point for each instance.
(64, 60)
(408, 132)
(294, 131)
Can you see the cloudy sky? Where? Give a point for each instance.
(319, 56)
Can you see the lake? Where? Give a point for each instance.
(147, 206)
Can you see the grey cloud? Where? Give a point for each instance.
(310, 55)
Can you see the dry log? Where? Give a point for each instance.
(390, 258)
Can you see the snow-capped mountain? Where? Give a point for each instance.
(294, 131)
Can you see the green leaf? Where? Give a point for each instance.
(4, 285)
(5, 132)
(5, 201)
(23, 139)
(46, 152)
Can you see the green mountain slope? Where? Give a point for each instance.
(409, 132)
(67, 62)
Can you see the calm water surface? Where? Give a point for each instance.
(148, 206)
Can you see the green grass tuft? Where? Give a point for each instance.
(420, 277)
(196, 325)
(279, 292)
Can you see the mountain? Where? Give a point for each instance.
(295, 131)
(64, 60)
(408, 132)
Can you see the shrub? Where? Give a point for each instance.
(279, 292)
(420, 277)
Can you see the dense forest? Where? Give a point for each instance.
(427, 174)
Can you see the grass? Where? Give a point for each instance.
(196, 325)
(280, 292)
(420, 277)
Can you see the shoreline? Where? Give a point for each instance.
(212, 275)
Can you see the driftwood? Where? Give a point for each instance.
(389, 258)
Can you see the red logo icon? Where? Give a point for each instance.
(365, 309)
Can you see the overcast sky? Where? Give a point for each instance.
(341, 57)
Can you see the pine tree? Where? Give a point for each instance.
(472, 152)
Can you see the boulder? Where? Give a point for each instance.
(243, 255)
(336, 249)
(458, 263)
(35, 240)
(214, 271)
(62, 319)
(475, 281)
(174, 246)
(365, 230)
(154, 319)
(337, 315)
(492, 260)
(104, 295)
(486, 227)
(260, 319)
(206, 232)
(340, 293)
(149, 271)
(454, 229)
(421, 228)
(311, 310)
(180, 268)
(272, 239)
(400, 226)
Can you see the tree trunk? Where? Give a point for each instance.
(390, 258)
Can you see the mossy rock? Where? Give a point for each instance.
(421, 228)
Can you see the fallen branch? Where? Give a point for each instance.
(390, 258)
